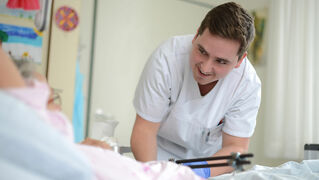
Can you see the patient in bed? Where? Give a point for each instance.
(37, 139)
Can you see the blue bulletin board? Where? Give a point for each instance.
(23, 42)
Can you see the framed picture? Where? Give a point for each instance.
(257, 47)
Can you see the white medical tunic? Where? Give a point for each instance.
(190, 123)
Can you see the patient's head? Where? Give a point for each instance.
(26, 68)
(29, 74)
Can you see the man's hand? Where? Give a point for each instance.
(202, 172)
(96, 143)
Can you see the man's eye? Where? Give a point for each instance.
(221, 61)
(202, 52)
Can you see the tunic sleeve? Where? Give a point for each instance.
(240, 119)
(152, 95)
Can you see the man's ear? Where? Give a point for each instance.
(241, 60)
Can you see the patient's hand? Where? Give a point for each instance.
(96, 143)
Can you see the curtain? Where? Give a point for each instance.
(292, 73)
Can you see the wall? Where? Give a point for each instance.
(257, 145)
(62, 58)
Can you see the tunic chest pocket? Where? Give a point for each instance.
(211, 135)
(210, 140)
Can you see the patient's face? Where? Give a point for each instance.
(51, 105)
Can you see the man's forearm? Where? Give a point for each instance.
(144, 148)
(143, 139)
(230, 144)
(225, 151)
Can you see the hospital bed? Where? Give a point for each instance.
(306, 170)
(32, 150)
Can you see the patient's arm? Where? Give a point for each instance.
(9, 74)
(96, 143)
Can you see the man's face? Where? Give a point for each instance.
(213, 57)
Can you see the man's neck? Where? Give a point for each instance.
(205, 89)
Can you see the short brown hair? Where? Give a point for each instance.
(230, 21)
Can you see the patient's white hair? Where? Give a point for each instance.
(25, 67)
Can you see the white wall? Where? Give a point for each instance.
(257, 146)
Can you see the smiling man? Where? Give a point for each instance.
(199, 95)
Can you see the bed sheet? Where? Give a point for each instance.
(305, 170)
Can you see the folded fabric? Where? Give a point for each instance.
(307, 169)
(32, 149)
